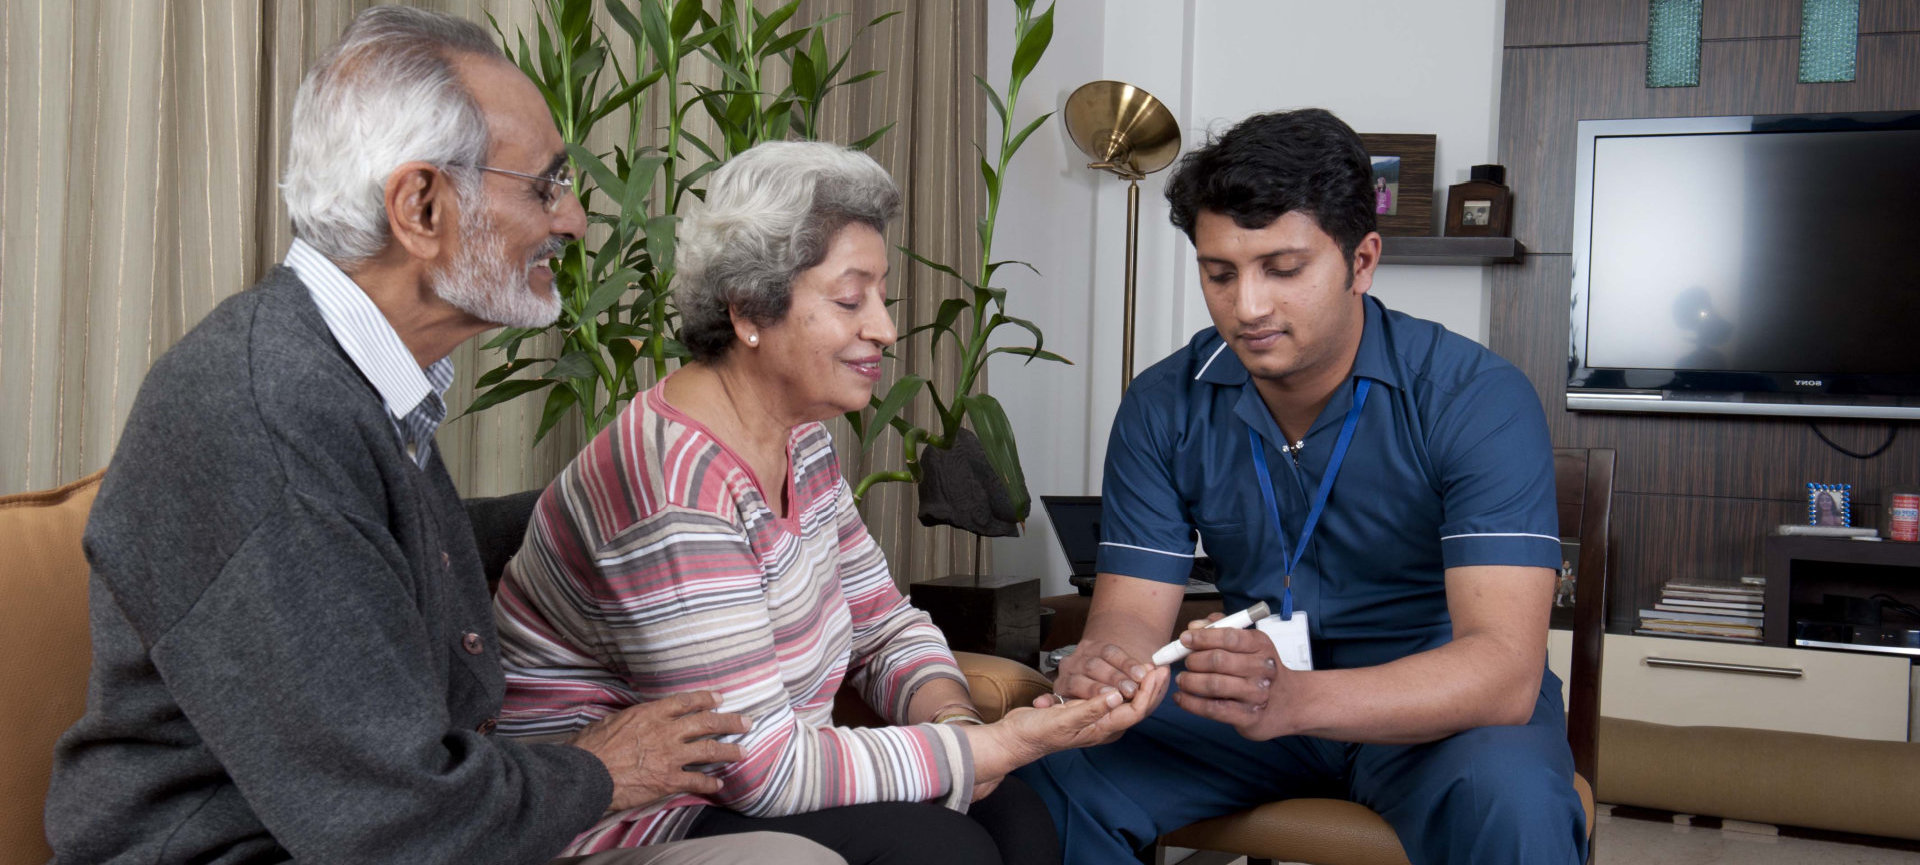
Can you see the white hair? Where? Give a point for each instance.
(770, 213)
(387, 94)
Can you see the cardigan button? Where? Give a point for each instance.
(471, 642)
(446, 561)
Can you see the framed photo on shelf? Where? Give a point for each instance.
(1402, 182)
(1829, 504)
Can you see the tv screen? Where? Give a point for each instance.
(1748, 264)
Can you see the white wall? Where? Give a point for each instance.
(1387, 66)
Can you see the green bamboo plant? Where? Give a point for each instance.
(617, 324)
(971, 321)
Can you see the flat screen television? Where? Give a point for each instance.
(1748, 265)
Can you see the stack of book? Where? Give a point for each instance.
(1727, 612)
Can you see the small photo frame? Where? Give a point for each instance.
(1829, 505)
(1386, 185)
(1402, 183)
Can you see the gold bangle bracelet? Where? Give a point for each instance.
(958, 718)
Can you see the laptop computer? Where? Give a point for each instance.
(1076, 525)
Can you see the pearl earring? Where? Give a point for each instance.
(753, 339)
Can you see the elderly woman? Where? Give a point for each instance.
(706, 540)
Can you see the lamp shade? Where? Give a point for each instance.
(1124, 129)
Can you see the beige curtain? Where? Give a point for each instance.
(140, 141)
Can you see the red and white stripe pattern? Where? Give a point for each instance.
(653, 566)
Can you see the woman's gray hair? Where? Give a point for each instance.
(770, 213)
(387, 94)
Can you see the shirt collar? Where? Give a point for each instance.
(365, 334)
(1373, 359)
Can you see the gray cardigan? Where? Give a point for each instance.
(293, 645)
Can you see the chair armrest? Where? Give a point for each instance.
(997, 686)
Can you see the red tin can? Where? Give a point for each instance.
(1904, 517)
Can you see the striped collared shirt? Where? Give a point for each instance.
(414, 397)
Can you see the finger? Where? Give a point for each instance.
(682, 704)
(1197, 624)
(1250, 665)
(1123, 662)
(1089, 679)
(1047, 700)
(712, 724)
(693, 782)
(1216, 686)
(1152, 690)
(1245, 640)
(1228, 712)
(708, 751)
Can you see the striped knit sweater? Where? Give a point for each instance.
(653, 566)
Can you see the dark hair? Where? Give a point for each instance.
(1272, 164)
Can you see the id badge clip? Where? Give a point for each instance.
(1290, 640)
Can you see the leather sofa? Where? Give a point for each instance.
(45, 650)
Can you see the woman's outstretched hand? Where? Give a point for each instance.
(1027, 734)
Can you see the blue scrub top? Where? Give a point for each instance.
(1451, 465)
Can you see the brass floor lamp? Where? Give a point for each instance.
(1130, 135)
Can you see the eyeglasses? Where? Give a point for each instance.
(550, 187)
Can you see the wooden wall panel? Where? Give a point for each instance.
(1534, 23)
(1889, 16)
(1696, 494)
(1583, 22)
(1685, 537)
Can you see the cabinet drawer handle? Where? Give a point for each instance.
(1718, 667)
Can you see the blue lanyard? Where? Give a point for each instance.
(1290, 555)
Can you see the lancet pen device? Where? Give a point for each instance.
(1174, 651)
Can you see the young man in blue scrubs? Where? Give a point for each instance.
(1389, 479)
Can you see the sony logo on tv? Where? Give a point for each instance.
(1809, 382)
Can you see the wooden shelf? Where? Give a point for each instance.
(1451, 250)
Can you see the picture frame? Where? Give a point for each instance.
(1477, 213)
(1403, 171)
(1829, 505)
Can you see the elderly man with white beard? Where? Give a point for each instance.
(294, 655)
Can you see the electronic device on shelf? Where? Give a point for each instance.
(1893, 640)
(1076, 525)
(1747, 265)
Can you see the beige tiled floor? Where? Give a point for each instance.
(1622, 841)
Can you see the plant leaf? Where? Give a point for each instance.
(902, 392)
(609, 292)
(509, 335)
(1000, 318)
(764, 30)
(1033, 44)
(501, 373)
(686, 13)
(660, 242)
(871, 140)
(1031, 354)
(507, 390)
(576, 364)
(993, 99)
(933, 264)
(1021, 137)
(996, 438)
(785, 42)
(994, 267)
(603, 177)
(623, 16)
(558, 401)
(806, 82)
